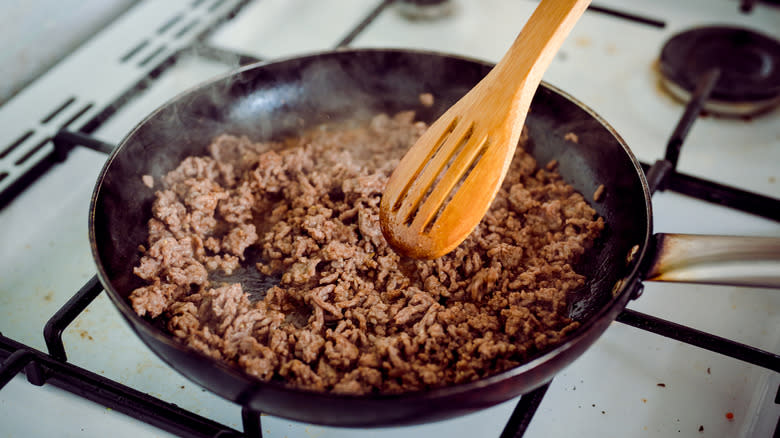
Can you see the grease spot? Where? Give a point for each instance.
(583, 41)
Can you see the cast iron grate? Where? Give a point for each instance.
(53, 368)
(125, 53)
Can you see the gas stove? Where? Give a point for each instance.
(682, 360)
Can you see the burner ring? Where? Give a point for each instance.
(749, 65)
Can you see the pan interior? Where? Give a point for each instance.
(279, 99)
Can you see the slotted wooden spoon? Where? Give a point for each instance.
(446, 182)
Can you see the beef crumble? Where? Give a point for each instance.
(349, 315)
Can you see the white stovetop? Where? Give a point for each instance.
(611, 390)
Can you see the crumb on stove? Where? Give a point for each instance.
(701, 428)
(552, 164)
(662, 385)
(598, 194)
(148, 180)
(426, 99)
(572, 137)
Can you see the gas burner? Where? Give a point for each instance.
(748, 62)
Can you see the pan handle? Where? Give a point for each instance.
(729, 260)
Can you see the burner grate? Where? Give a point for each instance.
(41, 368)
(178, 31)
(117, 60)
(38, 366)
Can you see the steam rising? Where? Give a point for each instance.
(278, 99)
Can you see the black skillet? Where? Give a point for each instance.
(273, 100)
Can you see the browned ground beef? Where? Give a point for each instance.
(349, 315)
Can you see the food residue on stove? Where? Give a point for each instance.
(730, 416)
(583, 41)
(349, 315)
(701, 428)
(572, 137)
(662, 385)
(148, 180)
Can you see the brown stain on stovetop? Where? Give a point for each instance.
(658, 83)
(583, 41)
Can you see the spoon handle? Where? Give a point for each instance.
(533, 50)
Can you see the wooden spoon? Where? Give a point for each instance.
(446, 182)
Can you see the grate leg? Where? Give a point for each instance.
(524, 412)
(251, 421)
(52, 332)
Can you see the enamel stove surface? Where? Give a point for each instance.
(630, 383)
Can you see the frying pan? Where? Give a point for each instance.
(267, 101)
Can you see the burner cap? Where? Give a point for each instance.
(749, 66)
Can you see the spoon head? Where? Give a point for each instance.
(444, 185)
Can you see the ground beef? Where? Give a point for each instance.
(348, 314)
